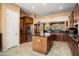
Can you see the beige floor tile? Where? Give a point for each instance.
(25, 49)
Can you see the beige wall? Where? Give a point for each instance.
(3, 26)
(22, 13)
(50, 17)
(55, 15)
(3, 22)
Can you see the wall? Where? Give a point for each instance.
(49, 20)
(3, 23)
(22, 13)
(0, 29)
(53, 18)
(56, 19)
(54, 15)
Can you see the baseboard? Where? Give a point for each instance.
(7, 48)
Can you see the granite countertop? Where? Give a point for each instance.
(47, 34)
(41, 36)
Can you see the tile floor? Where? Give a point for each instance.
(58, 49)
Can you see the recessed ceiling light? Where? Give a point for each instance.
(33, 7)
(44, 4)
(60, 8)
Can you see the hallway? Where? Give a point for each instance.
(58, 49)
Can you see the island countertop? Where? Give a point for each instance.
(42, 36)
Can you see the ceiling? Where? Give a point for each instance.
(45, 9)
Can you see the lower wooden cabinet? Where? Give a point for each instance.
(73, 46)
(41, 44)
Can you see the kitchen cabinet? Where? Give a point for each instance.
(24, 21)
(28, 20)
(72, 44)
(75, 14)
(71, 20)
(22, 31)
(74, 17)
(41, 44)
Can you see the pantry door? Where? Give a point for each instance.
(12, 28)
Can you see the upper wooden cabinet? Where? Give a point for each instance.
(74, 17)
(27, 20)
(25, 17)
(71, 20)
(76, 13)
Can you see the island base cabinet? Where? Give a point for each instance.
(41, 44)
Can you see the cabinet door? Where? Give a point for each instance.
(29, 20)
(35, 44)
(22, 38)
(42, 44)
(78, 12)
(75, 14)
(39, 44)
(22, 31)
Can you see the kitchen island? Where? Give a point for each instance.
(41, 44)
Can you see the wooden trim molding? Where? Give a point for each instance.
(25, 17)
